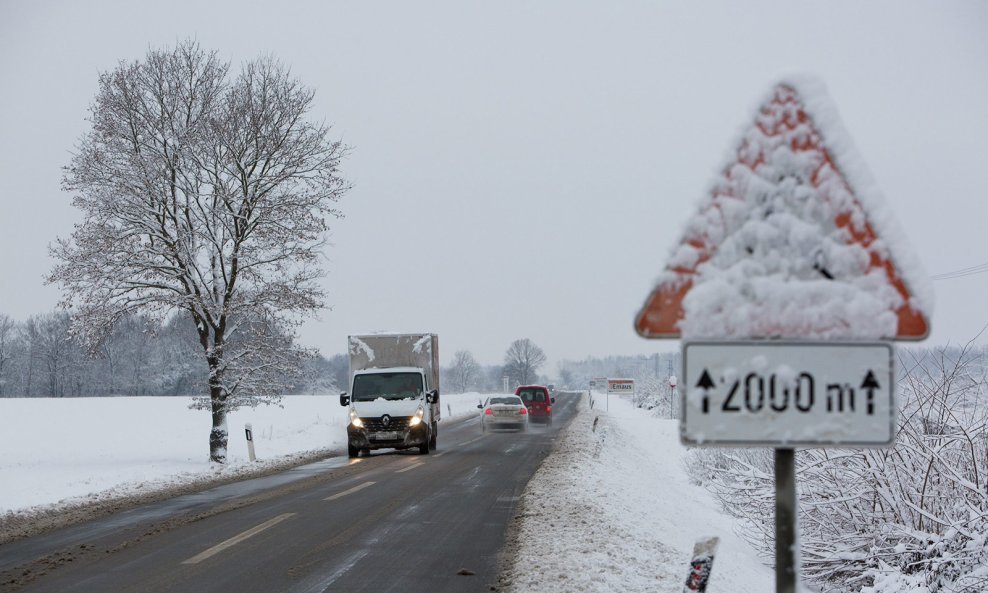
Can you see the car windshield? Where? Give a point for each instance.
(506, 400)
(387, 385)
(533, 395)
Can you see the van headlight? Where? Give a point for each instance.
(417, 418)
(355, 420)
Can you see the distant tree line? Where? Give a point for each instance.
(40, 358)
(522, 360)
(656, 369)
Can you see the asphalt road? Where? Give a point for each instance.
(394, 521)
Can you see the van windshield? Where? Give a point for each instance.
(532, 395)
(387, 385)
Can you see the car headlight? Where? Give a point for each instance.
(355, 420)
(417, 418)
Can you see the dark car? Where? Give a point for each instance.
(538, 401)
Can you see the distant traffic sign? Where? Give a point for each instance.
(785, 394)
(620, 386)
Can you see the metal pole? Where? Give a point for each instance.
(786, 546)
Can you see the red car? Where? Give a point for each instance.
(538, 401)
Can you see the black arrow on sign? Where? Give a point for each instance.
(870, 384)
(706, 384)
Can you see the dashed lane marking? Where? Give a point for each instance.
(350, 491)
(410, 467)
(237, 539)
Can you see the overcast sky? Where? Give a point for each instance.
(522, 169)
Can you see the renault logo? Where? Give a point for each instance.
(386, 420)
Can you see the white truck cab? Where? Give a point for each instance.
(393, 399)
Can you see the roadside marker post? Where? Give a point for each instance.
(250, 442)
(784, 354)
(701, 564)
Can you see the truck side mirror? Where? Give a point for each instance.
(344, 399)
(480, 406)
(552, 400)
(432, 397)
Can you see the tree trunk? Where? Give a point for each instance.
(217, 397)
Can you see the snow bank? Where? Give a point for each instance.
(612, 510)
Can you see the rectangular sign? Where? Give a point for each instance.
(784, 394)
(620, 386)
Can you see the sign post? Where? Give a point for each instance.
(783, 394)
(792, 244)
(786, 552)
(673, 412)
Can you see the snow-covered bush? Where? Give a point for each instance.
(909, 519)
(652, 393)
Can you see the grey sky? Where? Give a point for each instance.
(521, 169)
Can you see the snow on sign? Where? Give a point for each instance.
(620, 386)
(793, 240)
(788, 393)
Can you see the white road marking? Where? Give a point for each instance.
(237, 539)
(317, 585)
(410, 467)
(350, 491)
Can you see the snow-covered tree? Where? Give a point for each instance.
(206, 196)
(522, 361)
(8, 337)
(463, 372)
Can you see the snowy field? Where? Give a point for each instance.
(74, 450)
(626, 515)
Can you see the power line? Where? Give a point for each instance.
(978, 269)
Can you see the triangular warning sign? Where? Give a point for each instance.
(792, 242)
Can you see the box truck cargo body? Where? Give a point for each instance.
(393, 392)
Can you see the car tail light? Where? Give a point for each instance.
(523, 411)
(548, 408)
(489, 412)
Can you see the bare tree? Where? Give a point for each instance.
(522, 361)
(209, 198)
(463, 372)
(52, 350)
(8, 337)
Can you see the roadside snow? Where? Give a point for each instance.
(612, 510)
